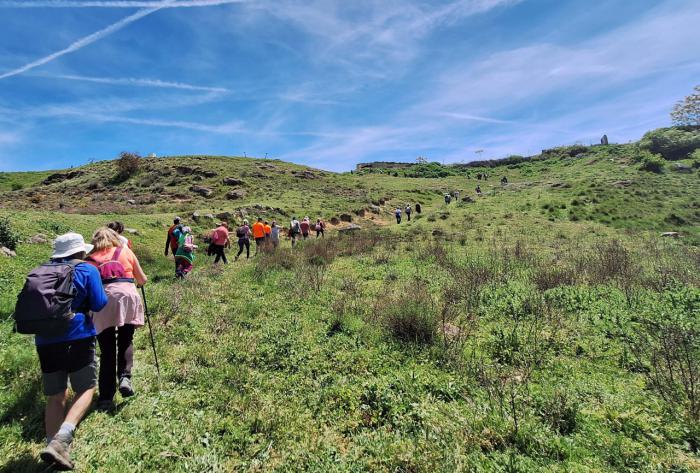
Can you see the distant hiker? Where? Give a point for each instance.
(172, 238)
(305, 226)
(448, 198)
(320, 228)
(397, 213)
(504, 180)
(259, 234)
(115, 324)
(294, 230)
(275, 234)
(184, 257)
(418, 209)
(119, 228)
(219, 242)
(243, 235)
(456, 194)
(64, 338)
(478, 190)
(408, 212)
(268, 230)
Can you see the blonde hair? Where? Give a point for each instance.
(104, 238)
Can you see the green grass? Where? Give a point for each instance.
(501, 334)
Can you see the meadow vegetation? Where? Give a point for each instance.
(544, 326)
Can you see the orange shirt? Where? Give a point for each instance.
(258, 230)
(268, 230)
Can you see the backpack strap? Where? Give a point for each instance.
(117, 253)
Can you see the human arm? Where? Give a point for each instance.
(167, 243)
(139, 276)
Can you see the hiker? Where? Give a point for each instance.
(219, 242)
(305, 226)
(478, 190)
(294, 231)
(172, 238)
(243, 235)
(259, 234)
(268, 230)
(275, 235)
(66, 350)
(184, 257)
(456, 194)
(504, 180)
(115, 324)
(320, 228)
(418, 209)
(408, 212)
(448, 198)
(397, 213)
(119, 228)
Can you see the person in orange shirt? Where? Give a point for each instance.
(259, 234)
(268, 230)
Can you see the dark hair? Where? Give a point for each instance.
(176, 220)
(116, 226)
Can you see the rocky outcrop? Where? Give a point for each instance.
(61, 176)
(350, 228)
(201, 190)
(375, 209)
(7, 252)
(39, 238)
(346, 218)
(232, 181)
(235, 194)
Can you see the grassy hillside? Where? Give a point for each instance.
(543, 326)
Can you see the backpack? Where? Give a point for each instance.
(112, 270)
(188, 243)
(240, 232)
(297, 227)
(44, 304)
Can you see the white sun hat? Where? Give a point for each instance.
(69, 244)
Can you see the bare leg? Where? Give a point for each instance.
(54, 413)
(81, 404)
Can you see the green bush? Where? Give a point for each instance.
(8, 237)
(695, 156)
(672, 143)
(16, 186)
(651, 162)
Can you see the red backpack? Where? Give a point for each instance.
(112, 270)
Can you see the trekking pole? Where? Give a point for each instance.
(150, 331)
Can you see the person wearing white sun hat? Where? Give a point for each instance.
(70, 353)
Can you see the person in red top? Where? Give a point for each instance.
(259, 234)
(219, 241)
(171, 239)
(305, 227)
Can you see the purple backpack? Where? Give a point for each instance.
(112, 270)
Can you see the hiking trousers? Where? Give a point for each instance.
(243, 242)
(116, 358)
(398, 219)
(218, 250)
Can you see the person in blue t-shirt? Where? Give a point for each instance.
(70, 354)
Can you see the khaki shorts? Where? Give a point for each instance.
(74, 360)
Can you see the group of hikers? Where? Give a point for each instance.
(266, 235)
(407, 210)
(86, 295)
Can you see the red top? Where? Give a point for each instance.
(220, 236)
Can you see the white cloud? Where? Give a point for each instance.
(136, 82)
(113, 4)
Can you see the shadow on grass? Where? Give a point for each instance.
(26, 463)
(27, 408)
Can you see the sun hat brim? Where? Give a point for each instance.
(87, 248)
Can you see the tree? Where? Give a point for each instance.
(127, 165)
(687, 111)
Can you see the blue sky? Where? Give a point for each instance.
(331, 83)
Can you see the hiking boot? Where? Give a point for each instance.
(106, 405)
(125, 387)
(57, 453)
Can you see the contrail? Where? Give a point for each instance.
(87, 40)
(113, 4)
(135, 81)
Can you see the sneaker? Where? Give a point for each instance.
(57, 454)
(125, 387)
(105, 405)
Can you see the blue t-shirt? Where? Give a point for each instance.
(91, 294)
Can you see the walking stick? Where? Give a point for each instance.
(150, 331)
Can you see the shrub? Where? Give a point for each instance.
(128, 164)
(413, 319)
(672, 143)
(8, 237)
(16, 186)
(652, 163)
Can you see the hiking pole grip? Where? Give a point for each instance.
(150, 330)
